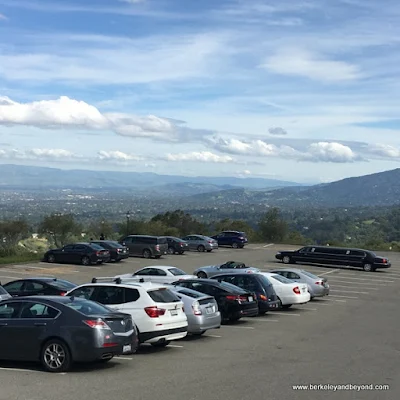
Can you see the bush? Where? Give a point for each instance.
(20, 257)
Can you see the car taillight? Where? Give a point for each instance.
(232, 297)
(262, 297)
(157, 247)
(319, 283)
(296, 290)
(196, 308)
(110, 344)
(96, 324)
(384, 260)
(154, 312)
(63, 293)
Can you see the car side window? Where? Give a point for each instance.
(159, 272)
(10, 310)
(202, 288)
(13, 286)
(33, 286)
(127, 240)
(69, 247)
(38, 310)
(80, 247)
(292, 275)
(110, 295)
(146, 271)
(85, 292)
(131, 295)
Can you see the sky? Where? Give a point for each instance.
(306, 91)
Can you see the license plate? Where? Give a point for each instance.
(209, 310)
(127, 348)
(174, 312)
(250, 298)
(304, 289)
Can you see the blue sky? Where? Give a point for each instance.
(297, 90)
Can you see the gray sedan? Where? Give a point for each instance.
(201, 310)
(201, 243)
(317, 286)
(229, 266)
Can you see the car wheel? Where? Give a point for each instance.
(163, 343)
(85, 260)
(201, 248)
(51, 258)
(171, 250)
(209, 251)
(157, 257)
(234, 319)
(262, 312)
(199, 333)
(202, 275)
(146, 253)
(235, 245)
(280, 303)
(286, 260)
(367, 267)
(55, 356)
(286, 306)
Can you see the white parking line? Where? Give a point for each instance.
(308, 309)
(18, 369)
(360, 279)
(123, 358)
(346, 297)
(267, 320)
(348, 291)
(326, 273)
(373, 277)
(175, 345)
(237, 327)
(284, 313)
(9, 277)
(268, 245)
(27, 267)
(215, 336)
(378, 285)
(348, 286)
(323, 302)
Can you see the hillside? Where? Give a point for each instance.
(380, 189)
(25, 177)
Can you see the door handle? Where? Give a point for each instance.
(40, 324)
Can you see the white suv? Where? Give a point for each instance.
(156, 311)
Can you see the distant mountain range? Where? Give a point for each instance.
(380, 189)
(29, 177)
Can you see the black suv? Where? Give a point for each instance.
(254, 283)
(365, 259)
(176, 245)
(233, 239)
(145, 245)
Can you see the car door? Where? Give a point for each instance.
(14, 288)
(9, 344)
(155, 274)
(79, 251)
(222, 239)
(190, 242)
(66, 254)
(128, 243)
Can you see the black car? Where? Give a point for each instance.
(176, 245)
(78, 253)
(254, 283)
(58, 331)
(117, 251)
(365, 259)
(39, 287)
(233, 302)
(235, 239)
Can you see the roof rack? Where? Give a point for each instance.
(118, 280)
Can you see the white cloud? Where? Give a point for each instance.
(200, 156)
(59, 155)
(68, 113)
(277, 131)
(384, 150)
(330, 152)
(304, 63)
(117, 156)
(132, 1)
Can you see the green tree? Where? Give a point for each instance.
(272, 227)
(183, 222)
(11, 233)
(96, 228)
(59, 229)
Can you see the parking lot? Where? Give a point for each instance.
(350, 337)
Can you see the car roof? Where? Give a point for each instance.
(143, 285)
(56, 299)
(237, 274)
(40, 278)
(181, 289)
(288, 269)
(162, 267)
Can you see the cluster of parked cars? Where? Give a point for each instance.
(58, 322)
(100, 251)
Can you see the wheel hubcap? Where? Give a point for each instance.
(54, 356)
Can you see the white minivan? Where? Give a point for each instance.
(156, 311)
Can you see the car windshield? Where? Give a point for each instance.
(176, 271)
(61, 284)
(309, 274)
(281, 278)
(88, 307)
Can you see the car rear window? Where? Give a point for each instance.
(232, 288)
(2, 290)
(264, 280)
(191, 293)
(162, 240)
(61, 284)
(176, 271)
(309, 274)
(96, 247)
(88, 307)
(163, 296)
(281, 278)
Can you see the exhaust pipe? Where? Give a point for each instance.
(106, 356)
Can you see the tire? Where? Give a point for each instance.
(286, 306)
(202, 275)
(85, 260)
(209, 251)
(199, 333)
(55, 356)
(171, 250)
(367, 267)
(234, 319)
(235, 245)
(51, 258)
(280, 305)
(164, 343)
(201, 248)
(157, 257)
(263, 312)
(286, 260)
(146, 253)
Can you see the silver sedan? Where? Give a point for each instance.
(317, 286)
(201, 243)
(228, 267)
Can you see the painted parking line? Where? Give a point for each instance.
(308, 309)
(354, 283)
(284, 313)
(27, 267)
(175, 346)
(267, 320)
(237, 327)
(360, 279)
(346, 297)
(19, 370)
(123, 358)
(350, 286)
(326, 273)
(348, 291)
(373, 277)
(214, 336)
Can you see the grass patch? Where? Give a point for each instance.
(20, 258)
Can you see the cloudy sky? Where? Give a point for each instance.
(307, 91)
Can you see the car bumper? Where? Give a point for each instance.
(320, 292)
(269, 305)
(278, 256)
(382, 266)
(165, 334)
(200, 323)
(244, 312)
(296, 299)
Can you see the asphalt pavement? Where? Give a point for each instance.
(349, 338)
